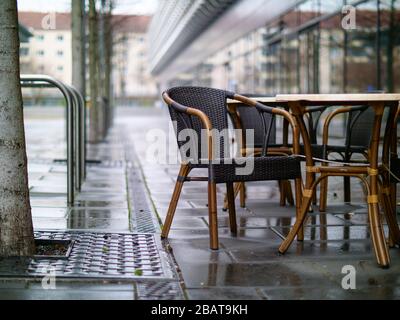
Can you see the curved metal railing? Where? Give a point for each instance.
(75, 111)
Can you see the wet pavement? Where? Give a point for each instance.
(128, 193)
(247, 266)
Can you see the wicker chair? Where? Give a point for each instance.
(357, 138)
(245, 118)
(248, 118)
(201, 110)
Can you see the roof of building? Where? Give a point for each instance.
(34, 20)
(131, 23)
(122, 23)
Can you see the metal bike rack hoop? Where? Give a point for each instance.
(30, 80)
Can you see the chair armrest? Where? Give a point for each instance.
(275, 110)
(325, 134)
(205, 121)
(312, 109)
(393, 144)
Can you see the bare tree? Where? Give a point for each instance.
(108, 53)
(16, 231)
(95, 128)
(101, 62)
(78, 45)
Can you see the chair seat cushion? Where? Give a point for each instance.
(262, 169)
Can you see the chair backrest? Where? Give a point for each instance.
(250, 119)
(208, 100)
(359, 127)
(313, 120)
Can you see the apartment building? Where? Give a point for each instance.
(49, 51)
(132, 78)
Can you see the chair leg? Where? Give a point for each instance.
(282, 199)
(289, 193)
(237, 187)
(183, 172)
(242, 195)
(393, 196)
(375, 223)
(391, 219)
(301, 212)
(323, 195)
(212, 215)
(299, 196)
(225, 206)
(231, 205)
(378, 236)
(298, 224)
(346, 188)
(314, 198)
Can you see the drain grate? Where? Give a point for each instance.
(160, 290)
(95, 255)
(142, 218)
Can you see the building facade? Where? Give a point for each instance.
(49, 52)
(312, 46)
(133, 83)
(49, 49)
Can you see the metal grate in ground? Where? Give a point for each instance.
(159, 290)
(96, 255)
(142, 217)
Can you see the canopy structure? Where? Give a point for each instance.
(183, 33)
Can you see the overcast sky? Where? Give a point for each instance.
(121, 6)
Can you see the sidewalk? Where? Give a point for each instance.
(126, 194)
(248, 266)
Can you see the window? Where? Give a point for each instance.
(40, 37)
(60, 37)
(60, 53)
(60, 68)
(316, 58)
(40, 53)
(361, 56)
(390, 45)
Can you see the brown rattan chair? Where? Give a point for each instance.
(390, 177)
(359, 125)
(201, 111)
(369, 173)
(244, 118)
(357, 138)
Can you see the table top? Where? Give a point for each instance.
(329, 99)
(260, 99)
(340, 98)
